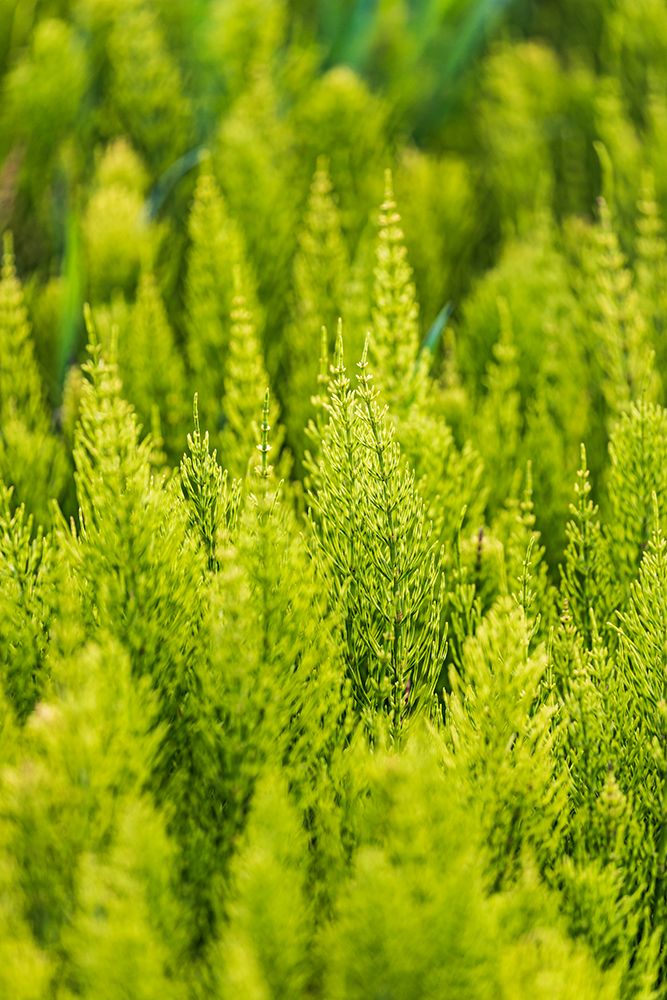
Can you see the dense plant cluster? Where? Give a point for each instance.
(333, 499)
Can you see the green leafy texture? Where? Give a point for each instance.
(339, 115)
(395, 340)
(244, 36)
(20, 383)
(118, 238)
(120, 164)
(216, 251)
(635, 41)
(550, 442)
(480, 559)
(407, 926)
(586, 573)
(462, 606)
(25, 605)
(637, 470)
(656, 114)
(246, 381)
(125, 926)
(436, 198)
(255, 158)
(31, 458)
(46, 306)
(46, 86)
(264, 948)
(525, 570)
(499, 738)
(532, 278)
(642, 656)
(145, 97)
(150, 366)
(619, 149)
(651, 270)
(274, 649)
(414, 918)
(74, 805)
(124, 511)
(26, 969)
(192, 661)
(522, 86)
(612, 741)
(499, 417)
(621, 340)
(212, 502)
(208, 294)
(601, 830)
(451, 477)
(42, 98)
(374, 542)
(320, 278)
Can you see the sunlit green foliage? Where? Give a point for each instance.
(333, 673)
(32, 458)
(320, 285)
(378, 552)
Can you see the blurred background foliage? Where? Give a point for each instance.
(503, 122)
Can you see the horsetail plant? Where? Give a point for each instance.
(385, 718)
(372, 536)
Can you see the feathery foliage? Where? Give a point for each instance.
(370, 527)
(333, 683)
